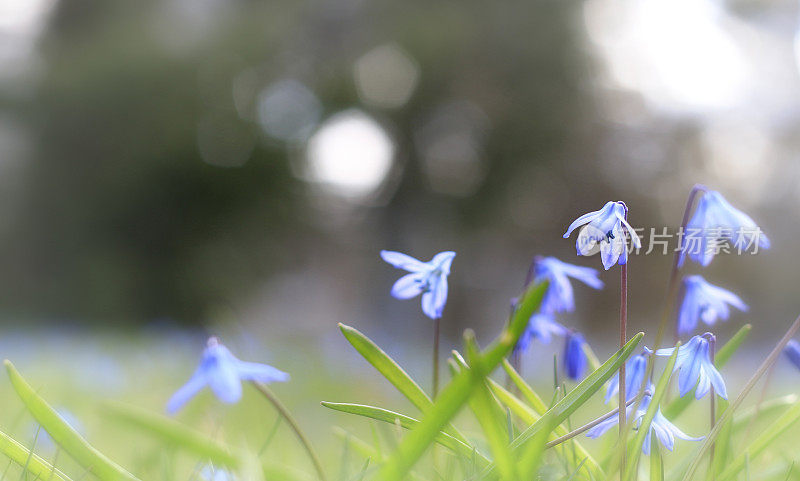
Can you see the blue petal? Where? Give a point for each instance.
(185, 393)
(434, 300)
(792, 351)
(716, 380)
(253, 371)
(584, 219)
(408, 286)
(443, 260)
(403, 261)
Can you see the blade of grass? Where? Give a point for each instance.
(778, 427)
(31, 462)
(485, 407)
(173, 433)
(452, 398)
(63, 434)
(407, 422)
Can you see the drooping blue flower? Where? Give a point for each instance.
(714, 221)
(665, 431)
(635, 370)
(221, 371)
(706, 302)
(560, 296)
(212, 473)
(792, 351)
(694, 363)
(426, 278)
(606, 228)
(541, 327)
(574, 359)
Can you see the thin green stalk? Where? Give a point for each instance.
(672, 285)
(435, 357)
(263, 389)
(623, 327)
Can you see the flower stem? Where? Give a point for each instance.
(623, 327)
(672, 286)
(263, 389)
(435, 357)
(712, 347)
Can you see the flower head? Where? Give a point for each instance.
(694, 363)
(665, 431)
(792, 351)
(220, 370)
(574, 360)
(716, 220)
(606, 228)
(426, 278)
(541, 327)
(635, 370)
(706, 302)
(559, 296)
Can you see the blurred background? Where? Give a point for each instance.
(235, 167)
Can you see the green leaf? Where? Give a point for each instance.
(485, 408)
(525, 389)
(406, 422)
(63, 434)
(31, 462)
(393, 373)
(644, 427)
(173, 433)
(656, 461)
(679, 405)
(778, 427)
(452, 398)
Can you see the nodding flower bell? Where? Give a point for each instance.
(574, 360)
(694, 363)
(560, 296)
(635, 370)
(426, 278)
(716, 220)
(665, 431)
(607, 228)
(220, 370)
(792, 351)
(541, 327)
(706, 302)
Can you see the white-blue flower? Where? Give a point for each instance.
(706, 302)
(606, 228)
(665, 431)
(426, 278)
(221, 371)
(694, 363)
(560, 296)
(716, 220)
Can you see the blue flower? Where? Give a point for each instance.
(541, 327)
(574, 360)
(666, 432)
(706, 302)
(792, 351)
(426, 278)
(223, 373)
(716, 220)
(694, 363)
(211, 473)
(606, 228)
(635, 370)
(560, 296)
